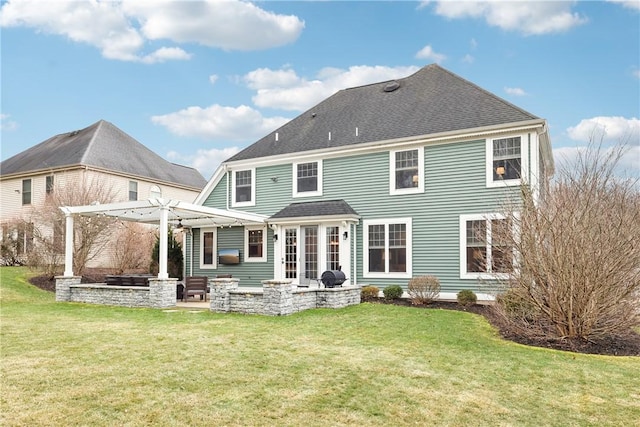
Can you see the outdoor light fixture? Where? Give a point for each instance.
(275, 237)
(345, 235)
(179, 223)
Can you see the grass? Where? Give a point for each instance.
(376, 365)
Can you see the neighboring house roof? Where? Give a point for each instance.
(315, 209)
(431, 101)
(101, 145)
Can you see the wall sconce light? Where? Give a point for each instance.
(17, 191)
(500, 170)
(274, 179)
(345, 235)
(275, 237)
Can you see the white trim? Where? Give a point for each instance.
(463, 246)
(295, 192)
(392, 172)
(365, 248)
(263, 258)
(251, 202)
(524, 161)
(214, 259)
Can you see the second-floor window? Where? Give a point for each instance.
(307, 179)
(243, 187)
(133, 190)
(155, 192)
(49, 185)
(407, 171)
(506, 161)
(26, 191)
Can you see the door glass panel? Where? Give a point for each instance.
(333, 248)
(291, 253)
(310, 256)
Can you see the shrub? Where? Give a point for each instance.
(467, 297)
(369, 293)
(392, 292)
(423, 289)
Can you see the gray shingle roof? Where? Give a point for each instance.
(104, 146)
(322, 208)
(431, 101)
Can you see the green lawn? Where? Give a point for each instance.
(369, 365)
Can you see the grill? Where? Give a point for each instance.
(332, 278)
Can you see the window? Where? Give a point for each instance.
(133, 190)
(243, 188)
(208, 248)
(387, 248)
(407, 171)
(506, 161)
(49, 185)
(26, 191)
(155, 192)
(255, 244)
(484, 253)
(307, 179)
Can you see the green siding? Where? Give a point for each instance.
(455, 184)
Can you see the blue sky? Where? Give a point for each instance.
(198, 81)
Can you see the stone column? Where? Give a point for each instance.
(162, 292)
(277, 297)
(63, 287)
(219, 295)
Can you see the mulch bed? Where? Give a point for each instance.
(618, 346)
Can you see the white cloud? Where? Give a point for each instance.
(629, 4)
(636, 73)
(527, 17)
(285, 90)
(205, 161)
(427, 52)
(6, 124)
(474, 44)
(607, 129)
(628, 165)
(515, 91)
(469, 59)
(121, 29)
(213, 78)
(241, 123)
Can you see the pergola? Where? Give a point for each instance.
(159, 212)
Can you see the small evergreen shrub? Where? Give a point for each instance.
(369, 293)
(392, 292)
(467, 297)
(423, 289)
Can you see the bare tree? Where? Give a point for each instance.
(131, 247)
(91, 234)
(577, 265)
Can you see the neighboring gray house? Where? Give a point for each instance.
(99, 153)
(386, 181)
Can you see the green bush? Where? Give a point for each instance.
(392, 292)
(369, 293)
(423, 289)
(516, 306)
(467, 297)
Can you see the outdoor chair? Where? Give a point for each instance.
(195, 285)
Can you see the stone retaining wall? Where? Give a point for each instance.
(277, 297)
(161, 293)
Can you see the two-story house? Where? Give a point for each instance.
(101, 154)
(386, 181)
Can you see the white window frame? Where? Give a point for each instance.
(214, 260)
(392, 173)
(318, 192)
(464, 274)
(251, 202)
(409, 254)
(155, 192)
(263, 258)
(131, 183)
(524, 161)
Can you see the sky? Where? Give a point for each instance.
(197, 81)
